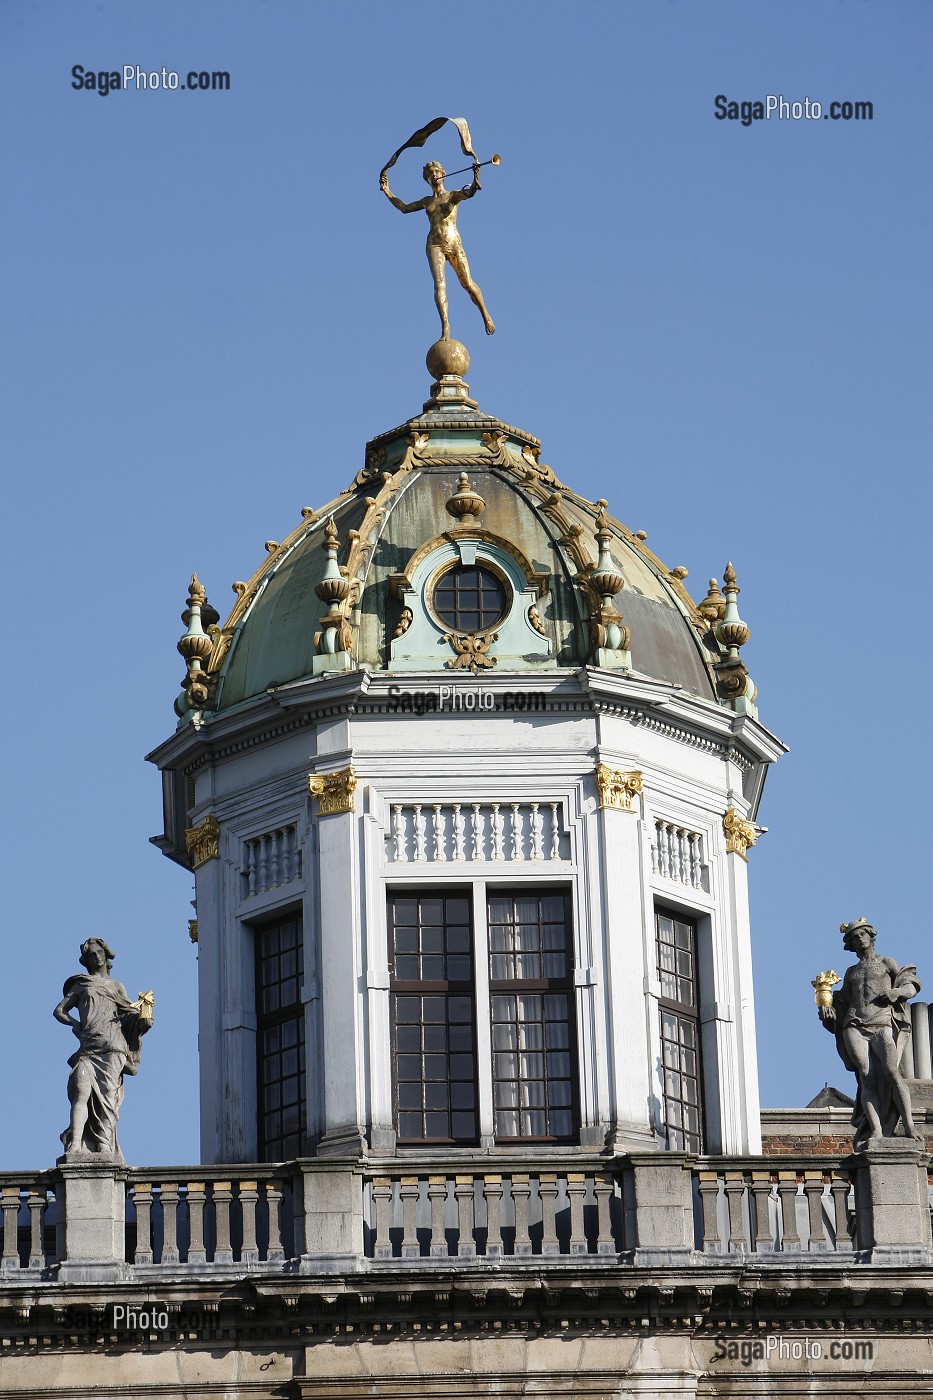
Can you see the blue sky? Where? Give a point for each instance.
(207, 308)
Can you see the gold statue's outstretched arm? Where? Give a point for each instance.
(394, 199)
(468, 191)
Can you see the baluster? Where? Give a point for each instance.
(288, 841)
(813, 1190)
(249, 1196)
(9, 1199)
(275, 1253)
(787, 1190)
(437, 822)
(263, 863)
(839, 1185)
(694, 844)
(142, 1197)
(547, 1194)
(516, 853)
(496, 832)
(476, 832)
(398, 833)
(492, 1190)
(382, 1194)
(709, 1199)
(463, 1190)
(458, 832)
(537, 832)
(735, 1194)
(576, 1190)
(296, 853)
(251, 867)
(223, 1195)
(655, 849)
(761, 1195)
(555, 831)
(419, 833)
(602, 1189)
(682, 865)
(521, 1190)
(671, 867)
(169, 1194)
(196, 1199)
(274, 860)
(37, 1204)
(408, 1190)
(437, 1195)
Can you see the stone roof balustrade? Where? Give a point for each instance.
(509, 1209)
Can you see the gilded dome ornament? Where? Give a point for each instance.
(466, 505)
(195, 647)
(732, 679)
(332, 643)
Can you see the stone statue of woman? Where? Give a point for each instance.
(109, 1027)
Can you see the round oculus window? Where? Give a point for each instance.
(470, 598)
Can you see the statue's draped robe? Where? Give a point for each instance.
(109, 1049)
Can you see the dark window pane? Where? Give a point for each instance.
(280, 1062)
(676, 950)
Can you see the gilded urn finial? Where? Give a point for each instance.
(195, 647)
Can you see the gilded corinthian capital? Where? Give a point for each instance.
(334, 791)
(618, 789)
(740, 834)
(203, 841)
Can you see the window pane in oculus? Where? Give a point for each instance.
(561, 1123)
(409, 1068)
(432, 968)
(408, 1009)
(435, 1095)
(435, 1067)
(461, 1038)
(462, 1096)
(436, 1125)
(434, 1009)
(458, 910)
(409, 1096)
(506, 1124)
(409, 1125)
(459, 969)
(463, 1125)
(460, 1009)
(407, 969)
(505, 1037)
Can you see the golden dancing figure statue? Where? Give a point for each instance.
(444, 245)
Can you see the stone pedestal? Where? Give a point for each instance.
(892, 1202)
(332, 1217)
(95, 1214)
(663, 1207)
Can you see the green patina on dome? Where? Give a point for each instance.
(398, 503)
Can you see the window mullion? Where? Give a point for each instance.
(483, 1014)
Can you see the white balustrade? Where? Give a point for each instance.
(677, 854)
(270, 860)
(457, 832)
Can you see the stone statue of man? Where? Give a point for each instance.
(871, 1023)
(109, 1027)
